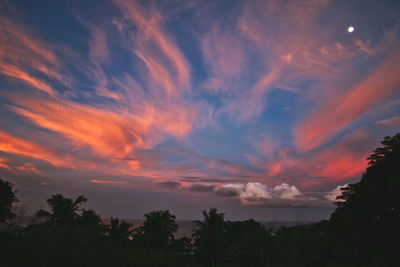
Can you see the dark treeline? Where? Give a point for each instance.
(362, 231)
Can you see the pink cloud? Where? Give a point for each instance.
(337, 163)
(107, 182)
(18, 39)
(151, 33)
(224, 52)
(343, 109)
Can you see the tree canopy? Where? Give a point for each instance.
(368, 212)
(63, 210)
(7, 198)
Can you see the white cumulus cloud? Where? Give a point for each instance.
(283, 195)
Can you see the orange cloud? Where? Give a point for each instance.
(15, 72)
(112, 135)
(106, 182)
(105, 132)
(29, 167)
(19, 146)
(22, 54)
(3, 164)
(344, 108)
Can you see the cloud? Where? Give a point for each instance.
(106, 132)
(332, 196)
(264, 144)
(29, 167)
(230, 190)
(224, 52)
(26, 58)
(200, 187)
(19, 146)
(169, 184)
(15, 72)
(339, 162)
(3, 164)
(280, 196)
(118, 114)
(107, 182)
(150, 35)
(342, 109)
(141, 97)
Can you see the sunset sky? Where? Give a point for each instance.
(261, 109)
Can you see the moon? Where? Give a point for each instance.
(350, 29)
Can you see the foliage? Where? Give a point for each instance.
(64, 211)
(7, 198)
(249, 244)
(369, 214)
(119, 231)
(158, 229)
(209, 237)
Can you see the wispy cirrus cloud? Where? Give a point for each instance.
(345, 108)
(150, 34)
(19, 146)
(108, 130)
(23, 54)
(190, 96)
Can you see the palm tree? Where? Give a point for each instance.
(119, 230)
(64, 211)
(158, 228)
(90, 220)
(209, 236)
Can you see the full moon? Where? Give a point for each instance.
(350, 29)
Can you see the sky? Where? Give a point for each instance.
(260, 108)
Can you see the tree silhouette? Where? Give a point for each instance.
(368, 212)
(209, 236)
(119, 230)
(376, 198)
(7, 198)
(249, 243)
(64, 211)
(90, 220)
(158, 228)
